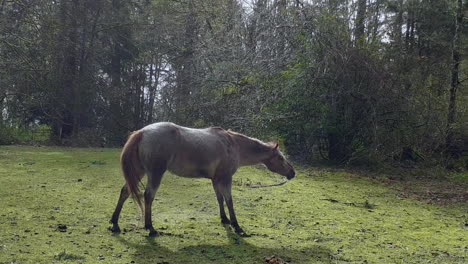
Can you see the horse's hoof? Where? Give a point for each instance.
(240, 232)
(153, 233)
(243, 234)
(114, 229)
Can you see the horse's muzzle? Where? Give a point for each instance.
(291, 175)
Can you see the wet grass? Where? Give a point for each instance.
(55, 204)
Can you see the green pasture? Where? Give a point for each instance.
(55, 204)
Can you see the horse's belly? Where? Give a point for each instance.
(193, 170)
(191, 173)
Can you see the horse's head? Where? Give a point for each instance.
(277, 163)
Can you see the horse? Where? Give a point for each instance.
(212, 153)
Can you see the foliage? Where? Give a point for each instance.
(354, 82)
(23, 135)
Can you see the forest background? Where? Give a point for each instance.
(361, 82)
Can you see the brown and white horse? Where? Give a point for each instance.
(212, 153)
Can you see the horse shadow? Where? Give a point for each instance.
(237, 250)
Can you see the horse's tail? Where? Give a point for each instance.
(131, 165)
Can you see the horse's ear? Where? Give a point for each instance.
(276, 146)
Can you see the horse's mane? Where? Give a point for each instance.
(268, 144)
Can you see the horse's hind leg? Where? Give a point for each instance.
(220, 198)
(115, 216)
(124, 194)
(154, 180)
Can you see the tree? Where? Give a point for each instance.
(360, 80)
(455, 73)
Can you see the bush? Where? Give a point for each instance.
(6, 135)
(24, 135)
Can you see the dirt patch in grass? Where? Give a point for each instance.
(438, 187)
(433, 191)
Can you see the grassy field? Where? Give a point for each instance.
(55, 204)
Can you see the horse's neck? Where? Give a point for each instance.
(251, 151)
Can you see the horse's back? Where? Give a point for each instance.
(188, 152)
(158, 138)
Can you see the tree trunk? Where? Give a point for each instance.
(375, 23)
(398, 24)
(360, 21)
(456, 59)
(409, 33)
(185, 68)
(66, 73)
(75, 88)
(281, 28)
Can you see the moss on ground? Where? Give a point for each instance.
(56, 204)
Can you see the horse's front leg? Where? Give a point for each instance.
(233, 217)
(154, 180)
(220, 198)
(225, 185)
